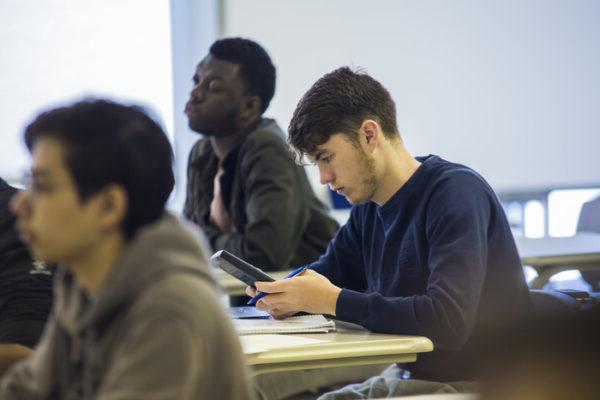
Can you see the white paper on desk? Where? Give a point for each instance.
(298, 324)
(259, 343)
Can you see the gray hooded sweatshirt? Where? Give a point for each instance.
(154, 330)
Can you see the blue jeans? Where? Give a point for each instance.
(392, 383)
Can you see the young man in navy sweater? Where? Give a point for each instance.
(427, 249)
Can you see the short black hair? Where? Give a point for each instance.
(338, 103)
(106, 142)
(256, 68)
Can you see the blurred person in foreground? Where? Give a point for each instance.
(135, 314)
(555, 358)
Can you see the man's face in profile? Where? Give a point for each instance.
(51, 218)
(216, 98)
(346, 169)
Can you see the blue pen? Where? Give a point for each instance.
(260, 295)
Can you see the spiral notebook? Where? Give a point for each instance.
(312, 323)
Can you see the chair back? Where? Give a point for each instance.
(556, 302)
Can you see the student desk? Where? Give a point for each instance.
(550, 255)
(349, 345)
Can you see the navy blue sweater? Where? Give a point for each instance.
(437, 259)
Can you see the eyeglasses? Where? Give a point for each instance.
(35, 185)
(26, 180)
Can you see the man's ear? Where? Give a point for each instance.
(113, 204)
(250, 108)
(370, 134)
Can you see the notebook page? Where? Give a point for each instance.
(260, 343)
(297, 324)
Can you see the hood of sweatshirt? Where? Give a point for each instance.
(162, 247)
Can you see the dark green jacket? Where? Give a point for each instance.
(279, 221)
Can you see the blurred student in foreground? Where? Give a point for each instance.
(552, 359)
(135, 313)
(25, 290)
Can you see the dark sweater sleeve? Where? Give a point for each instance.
(276, 216)
(457, 221)
(25, 298)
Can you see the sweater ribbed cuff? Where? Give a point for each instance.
(351, 307)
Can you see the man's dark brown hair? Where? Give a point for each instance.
(338, 103)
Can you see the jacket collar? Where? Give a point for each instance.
(207, 156)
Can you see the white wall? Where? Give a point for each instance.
(508, 87)
(56, 51)
(195, 26)
(511, 88)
